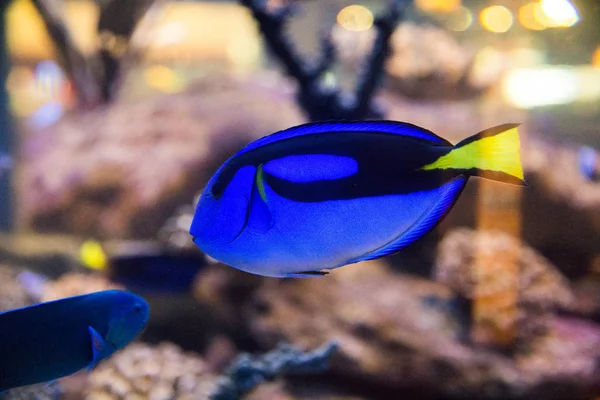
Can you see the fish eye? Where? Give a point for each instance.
(137, 307)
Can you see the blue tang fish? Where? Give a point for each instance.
(319, 196)
(50, 340)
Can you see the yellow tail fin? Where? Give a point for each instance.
(492, 154)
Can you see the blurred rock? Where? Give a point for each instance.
(225, 289)
(428, 63)
(587, 291)
(12, 294)
(561, 206)
(568, 351)
(75, 284)
(45, 391)
(219, 353)
(541, 286)
(404, 333)
(305, 390)
(380, 319)
(141, 371)
(174, 234)
(120, 172)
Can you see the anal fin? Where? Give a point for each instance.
(305, 274)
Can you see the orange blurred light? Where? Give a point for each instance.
(596, 57)
(355, 18)
(496, 19)
(163, 79)
(216, 31)
(438, 5)
(528, 17)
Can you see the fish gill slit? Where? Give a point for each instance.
(256, 184)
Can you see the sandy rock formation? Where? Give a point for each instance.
(121, 171)
(541, 286)
(429, 63)
(12, 294)
(75, 284)
(141, 371)
(558, 188)
(404, 333)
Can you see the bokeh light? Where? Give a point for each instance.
(589, 87)
(19, 77)
(460, 20)
(163, 79)
(355, 18)
(596, 57)
(529, 87)
(528, 16)
(560, 12)
(438, 5)
(243, 51)
(496, 19)
(527, 57)
(49, 78)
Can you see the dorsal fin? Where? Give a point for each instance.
(426, 223)
(382, 127)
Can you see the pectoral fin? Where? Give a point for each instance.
(100, 349)
(259, 216)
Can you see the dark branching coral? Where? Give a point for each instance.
(84, 71)
(319, 101)
(95, 76)
(247, 372)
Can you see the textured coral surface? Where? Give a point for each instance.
(403, 333)
(141, 371)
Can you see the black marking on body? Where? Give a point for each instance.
(387, 164)
(487, 133)
(312, 273)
